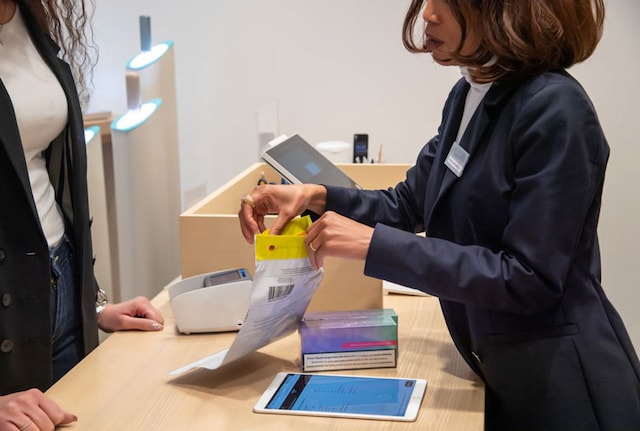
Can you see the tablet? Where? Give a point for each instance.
(363, 397)
(300, 163)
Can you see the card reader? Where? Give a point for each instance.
(211, 302)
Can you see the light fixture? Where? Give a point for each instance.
(146, 58)
(90, 132)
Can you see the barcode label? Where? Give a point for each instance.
(277, 292)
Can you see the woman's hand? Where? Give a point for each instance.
(338, 236)
(137, 313)
(287, 201)
(31, 411)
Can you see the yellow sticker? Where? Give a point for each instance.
(288, 245)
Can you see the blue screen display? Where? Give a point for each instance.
(343, 394)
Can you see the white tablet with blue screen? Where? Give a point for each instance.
(363, 397)
(300, 163)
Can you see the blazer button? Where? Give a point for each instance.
(6, 300)
(3, 256)
(6, 346)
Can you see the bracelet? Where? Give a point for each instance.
(101, 301)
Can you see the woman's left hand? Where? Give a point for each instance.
(137, 313)
(338, 236)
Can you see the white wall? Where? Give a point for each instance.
(337, 67)
(611, 78)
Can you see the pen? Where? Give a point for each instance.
(262, 180)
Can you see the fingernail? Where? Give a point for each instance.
(156, 326)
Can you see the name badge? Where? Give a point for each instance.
(457, 159)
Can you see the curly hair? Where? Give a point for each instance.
(68, 22)
(519, 37)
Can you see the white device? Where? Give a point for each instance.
(351, 396)
(300, 163)
(211, 302)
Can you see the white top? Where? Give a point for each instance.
(40, 106)
(474, 97)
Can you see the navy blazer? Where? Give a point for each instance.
(511, 250)
(25, 270)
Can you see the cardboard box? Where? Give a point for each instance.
(349, 339)
(211, 240)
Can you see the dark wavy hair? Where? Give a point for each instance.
(522, 37)
(68, 22)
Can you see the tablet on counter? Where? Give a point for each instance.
(349, 396)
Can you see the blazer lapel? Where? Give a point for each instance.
(49, 50)
(469, 142)
(9, 133)
(485, 116)
(56, 158)
(10, 140)
(447, 132)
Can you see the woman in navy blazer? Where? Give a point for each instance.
(508, 194)
(29, 281)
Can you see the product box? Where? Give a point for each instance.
(211, 240)
(349, 339)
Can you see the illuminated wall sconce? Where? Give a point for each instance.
(155, 67)
(146, 196)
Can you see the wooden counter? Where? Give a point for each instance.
(123, 384)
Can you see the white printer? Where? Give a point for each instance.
(211, 302)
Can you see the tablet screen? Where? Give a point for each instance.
(300, 163)
(341, 395)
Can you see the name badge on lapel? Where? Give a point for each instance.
(457, 159)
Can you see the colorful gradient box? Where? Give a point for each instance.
(348, 340)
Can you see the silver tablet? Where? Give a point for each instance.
(300, 163)
(362, 397)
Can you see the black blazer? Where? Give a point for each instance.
(511, 250)
(25, 291)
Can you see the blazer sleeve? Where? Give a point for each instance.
(557, 161)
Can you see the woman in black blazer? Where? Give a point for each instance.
(508, 194)
(50, 303)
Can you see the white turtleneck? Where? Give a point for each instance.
(40, 106)
(474, 97)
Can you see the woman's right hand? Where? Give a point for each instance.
(287, 201)
(31, 410)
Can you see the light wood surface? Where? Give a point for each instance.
(123, 384)
(211, 240)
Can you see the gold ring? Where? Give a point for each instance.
(312, 247)
(25, 426)
(247, 199)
